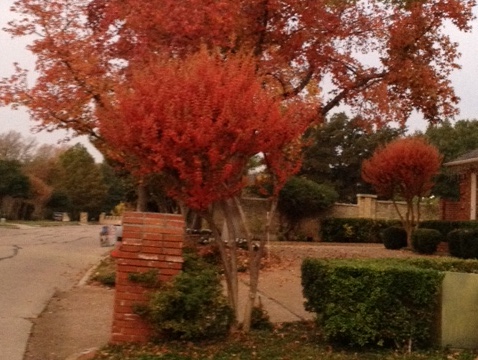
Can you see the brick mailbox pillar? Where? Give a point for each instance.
(151, 241)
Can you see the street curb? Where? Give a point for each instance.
(84, 280)
(84, 355)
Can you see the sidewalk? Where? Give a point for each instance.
(76, 322)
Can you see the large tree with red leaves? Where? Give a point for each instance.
(404, 170)
(383, 59)
(199, 121)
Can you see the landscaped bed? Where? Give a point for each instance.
(299, 340)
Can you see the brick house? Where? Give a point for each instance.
(466, 169)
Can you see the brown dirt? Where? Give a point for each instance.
(80, 319)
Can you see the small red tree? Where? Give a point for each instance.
(404, 169)
(199, 121)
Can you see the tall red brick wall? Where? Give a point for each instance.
(151, 241)
(459, 210)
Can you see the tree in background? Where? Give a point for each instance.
(13, 146)
(81, 181)
(313, 47)
(13, 184)
(301, 198)
(404, 170)
(452, 140)
(120, 185)
(198, 122)
(336, 150)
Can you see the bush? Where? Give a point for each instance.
(192, 306)
(445, 227)
(367, 303)
(354, 230)
(301, 198)
(425, 241)
(463, 243)
(394, 238)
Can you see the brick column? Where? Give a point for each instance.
(151, 241)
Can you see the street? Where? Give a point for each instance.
(34, 263)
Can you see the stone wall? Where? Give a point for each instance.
(367, 207)
(151, 242)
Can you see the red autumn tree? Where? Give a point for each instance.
(404, 170)
(199, 121)
(311, 46)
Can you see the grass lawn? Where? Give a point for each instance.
(291, 341)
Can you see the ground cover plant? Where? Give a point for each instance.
(288, 341)
(105, 272)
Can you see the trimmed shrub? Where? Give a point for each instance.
(370, 303)
(353, 230)
(463, 243)
(394, 238)
(192, 306)
(425, 241)
(444, 227)
(301, 198)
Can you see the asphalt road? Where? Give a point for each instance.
(34, 264)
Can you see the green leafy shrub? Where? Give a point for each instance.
(301, 198)
(425, 241)
(260, 318)
(367, 303)
(463, 243)
(444, 227)
(443, 264)
(394, 238)
(192, 306)
(105, 272)
(348, 230)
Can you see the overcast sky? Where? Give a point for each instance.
(465, 81)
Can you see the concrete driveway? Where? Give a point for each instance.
(35, 262)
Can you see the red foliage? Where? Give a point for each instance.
(404, 167)
(309, 46)
(199, 121)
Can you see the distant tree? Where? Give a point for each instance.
(337, 149)
(301, 198)
(13, 181)
(452, 140)
(404, 170)
(120, 184)
(14, 146)
(80, 179)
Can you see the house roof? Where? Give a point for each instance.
(468, 158)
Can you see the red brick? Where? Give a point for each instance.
(146, 332)
(171, 251)
(139, 263)
(173, 244)
(126, 255)
(131, 240)
(132, 289)
(168, 271)
(130, 248)
(150, 257)
(174, 259)
(153, 236)
(131, 296)
(174, 238)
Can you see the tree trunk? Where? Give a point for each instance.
(142, 202)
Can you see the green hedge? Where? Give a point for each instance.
(353, 230)
(445, 227)
(425, 241)
(366, 303)
(463, 243)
